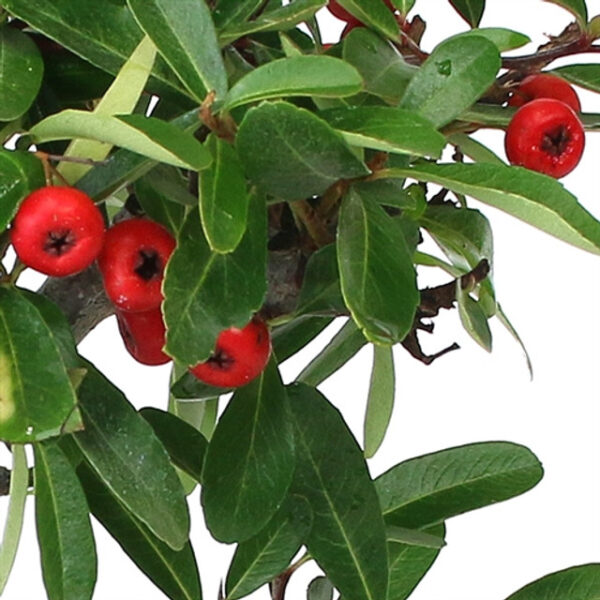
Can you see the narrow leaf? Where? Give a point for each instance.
(413, 537)
(289, 338)
(510, 328)
(584, 75)
(474, 149)
(473, 318)
(470, 10)
(504, 39)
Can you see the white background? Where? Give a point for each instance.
(551, 292)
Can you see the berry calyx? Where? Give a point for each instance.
(240, 355)
(544, 85)
(132, 263)
(57, 231)
(144, 335)
(545, 135)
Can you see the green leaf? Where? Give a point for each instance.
(233, 12)
(431, 488)
(454, 76)
(123, 451)
(380, 403)
(19, 482)
(373, 13)
(470, 10)
(184, 34)
(473, 318)
(413, 537)
(504, 39)
(63, 526)
(320, 588)
(184, 443)
(403, 6)
(387, 129)
(376, 270)
(382, 67)
(289, 338)
(300, 154)
(250, 460)
(20, 174)
(474, 149)
(342, 347)
(223, 197)
(173, 571)
(585, 75)
(576, 7)
(21, 70)
(322, 76)
(261, 558)
(509, 327)
(576, 583)
(188, 387)
(532, 197)
(347, 538)
(206, 292)
(35, 402)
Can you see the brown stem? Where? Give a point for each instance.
(312, 222)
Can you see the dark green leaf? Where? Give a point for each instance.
(504, 39)
(184, 443)
(267, 554)
(577, 583)
(575, 7)
(376, 270)
(348, 535)
(413, 537)
(289, 338)
(585, 75)
(431, 488)
(470, 10)
(300, 155)
(188, 387)
(36, 399)
(223, 197)
(387, 129)
(536, 199)
(124, 452)
(63, 526)
(473, 318)
(206, 292)
(322, 76)
(173, 571)
(21, 69)
(373, 13)
(342, 347)
(20, 174)
(227, 13)
(320, 588)
(454, 76)
(250, 460)
(474, 149)
(380, 403)
(384, 71)
(184, 34)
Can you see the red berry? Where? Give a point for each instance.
(341, 13)
(544, 85)
(132, 263)
(240, 355)
(545, 135)
(57, 231)
(144, 335)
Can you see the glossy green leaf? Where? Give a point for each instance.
(585, 75)
(173, 571)
(188, 387)
(413, 537)
(184, 34)
(455, 75)
(342, 347)
(250, 460)
(21, 70)
(382, 67)
(124, 452)
(223, 197)
(431, 488)
(184, 443)
(403, 6)
(376, 270)
(473, 318)
(474, 149)
(373, 13)
(206, 292)
(504, 39)
(148, 136)
(470, 10)
(20, 174)
(300, 155)
(347, 538)
(534, 198)
(380, 402)
(11, 536)
(387, 129)
(322, 76)
(64, 530)
(227, 13)
(289, 338)
(576, 7)
(319, 588)
(261, 558)
(36, 401)
(576, 583)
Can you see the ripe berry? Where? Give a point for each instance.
(341, 13)
(240, 355)
(545, 135)
(132, 263)
(57, 231)
(544, 85)
(144, 335)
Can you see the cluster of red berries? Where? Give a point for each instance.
(545, 134)
(59, 231)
